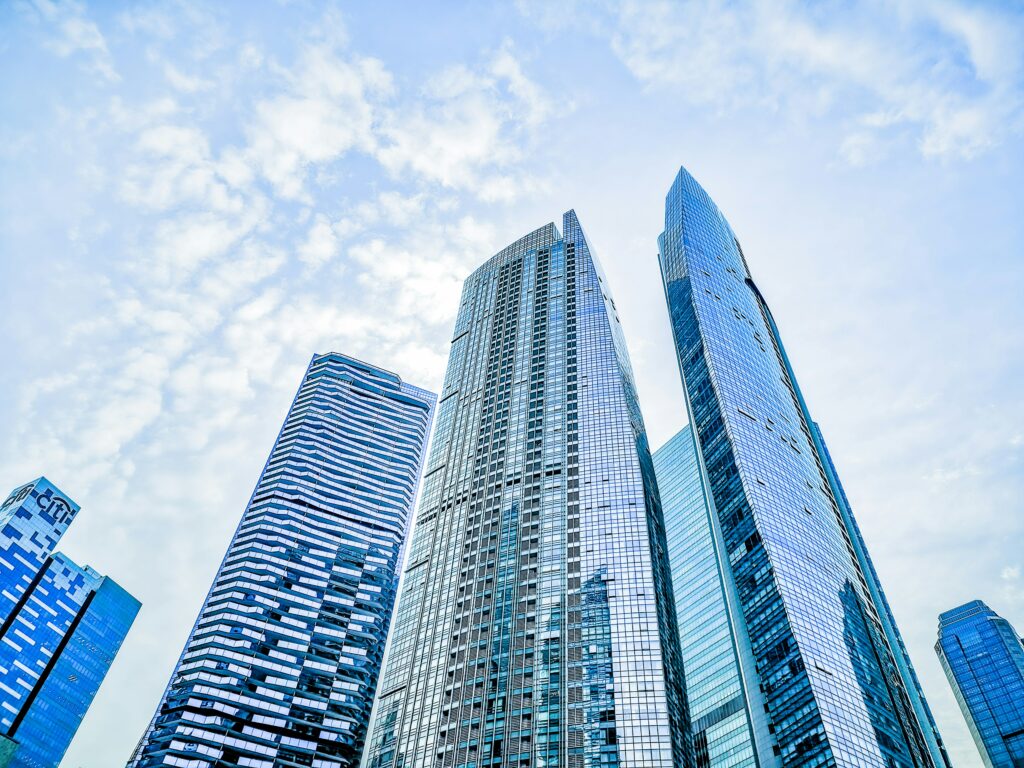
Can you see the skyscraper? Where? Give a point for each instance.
(824, 651)
(720, 692)
(281, 665)
(535, 625)
(983, 658)
(60, 627)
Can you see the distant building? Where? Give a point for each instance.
(282, 663)
(984, 660)
(60, 627)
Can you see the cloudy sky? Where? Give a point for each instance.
(196, 198)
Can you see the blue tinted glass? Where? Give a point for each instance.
(823, 648)
(60, 627)
(983, 658)
(716, 688)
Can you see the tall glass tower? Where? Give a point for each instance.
(61, 625)
(806, 611)
(535, 625)
(983, 657)
(723, 697)
(282, 663)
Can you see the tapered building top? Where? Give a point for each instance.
(811, 622)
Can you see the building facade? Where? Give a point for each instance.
(535, 625)
(983, 657)
(719, 692)
(281, 665)
(810, 621)
(61, 625)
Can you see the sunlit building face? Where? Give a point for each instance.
(535, 625)
(811, 654)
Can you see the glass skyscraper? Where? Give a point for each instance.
(814, 635)
(536, 624)
(983, 658)
(61, 625)
(718, 690)
(282, 663)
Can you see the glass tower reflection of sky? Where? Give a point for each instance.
(535, 625)
(717, 692)
(983, 658)
(838, 686)
(282, 663)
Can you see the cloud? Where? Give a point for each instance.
(153, 21)
(419, 273)
(76, 34)
(246, 196)
(952, 474)
(948, 75)
(1012, 586)
(470, 128)
(329, 105)
(254, 203)
(205, 282)
(173, 167)
(321, 244)
(186, 83)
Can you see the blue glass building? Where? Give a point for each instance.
(60, 627)
(536, 623)
(810, 622)
(983, 657)
(282, 663)
(719, 692)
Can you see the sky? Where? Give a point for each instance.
(195, 198)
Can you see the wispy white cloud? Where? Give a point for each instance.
(946, 74)
(75, 34)
(419, 273)
(321, 244)
(196, 313)
(470, 129)
(330, 105)
(154, 21)
(184, 82)
(250, 192)
(1013, 586)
